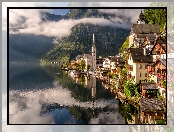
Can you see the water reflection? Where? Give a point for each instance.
(63, 101)
(28, 76)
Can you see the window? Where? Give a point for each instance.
(145, 66)
(145, 74)
(140, 66)
(140, 74)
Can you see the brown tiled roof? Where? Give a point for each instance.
(161, 42)
(151, 37)
(148, 85)
(163, 61)
(138, 56)
(151, 105)
(145, 28)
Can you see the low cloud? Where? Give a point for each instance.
(29, 21)
(61, 28)
(123, 15)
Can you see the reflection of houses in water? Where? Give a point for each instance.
(90, 82)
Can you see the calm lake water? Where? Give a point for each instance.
(46, 95)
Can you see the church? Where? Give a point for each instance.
(93, 54)
(90, 59)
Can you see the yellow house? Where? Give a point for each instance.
(138, 59)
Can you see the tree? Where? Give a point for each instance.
(129, 88)
(170, 10)
(83, 64)
(125, 45)
(88, 67)
(156, 16)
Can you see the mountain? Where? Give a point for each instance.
(28, 47)
(108, 39)
(52, 17)
(32, 48)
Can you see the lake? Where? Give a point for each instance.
(47, 95)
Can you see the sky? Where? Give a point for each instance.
(60, 11)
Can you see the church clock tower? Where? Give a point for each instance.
(93, 54)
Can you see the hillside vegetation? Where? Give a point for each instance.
(108, 39)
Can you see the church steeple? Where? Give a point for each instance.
(93, 54)
(141, 19)
(93, 41)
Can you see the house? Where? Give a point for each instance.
(106, 63)
(79, 58)
(141, 30)
(150, 110)
(88, 60)
(159, 75)
(73, 64)
(160, 69)
(118, 63)
(159, 49)
(99, 62)
(145, 86)
(138, 60)
(159, 57)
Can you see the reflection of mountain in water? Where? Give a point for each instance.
(28, 76)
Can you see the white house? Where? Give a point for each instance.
(137, 62)
(88, 60)
(106, 64)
